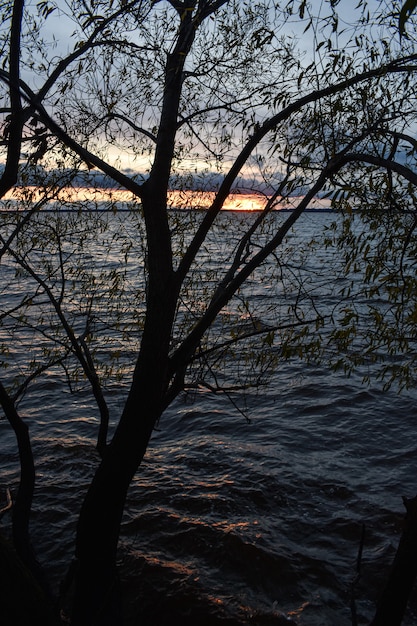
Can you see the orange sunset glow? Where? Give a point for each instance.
(177, 199)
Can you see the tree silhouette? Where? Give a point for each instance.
(183, 89)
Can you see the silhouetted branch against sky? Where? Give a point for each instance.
(70, 34)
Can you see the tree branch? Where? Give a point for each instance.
(396, 66)
(83, 48)
(15, 127)
(23, 501)
(129, 122)
(88, 157)
(78, 348)
(383, 163)
(185, 351)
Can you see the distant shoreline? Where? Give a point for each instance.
(119, 199)
(170, 210)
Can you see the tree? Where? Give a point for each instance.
(171, 84)
(407, 10)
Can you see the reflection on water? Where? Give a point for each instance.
(229, 519)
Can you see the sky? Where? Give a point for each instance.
(60, 29)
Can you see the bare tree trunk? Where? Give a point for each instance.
(393, 602)
(15, 125)
(97, 597)
(96, 600)
(23, 501)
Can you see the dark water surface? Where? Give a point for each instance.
(232, 520)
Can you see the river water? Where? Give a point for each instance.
(233, 520)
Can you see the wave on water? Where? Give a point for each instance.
(232, 521)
